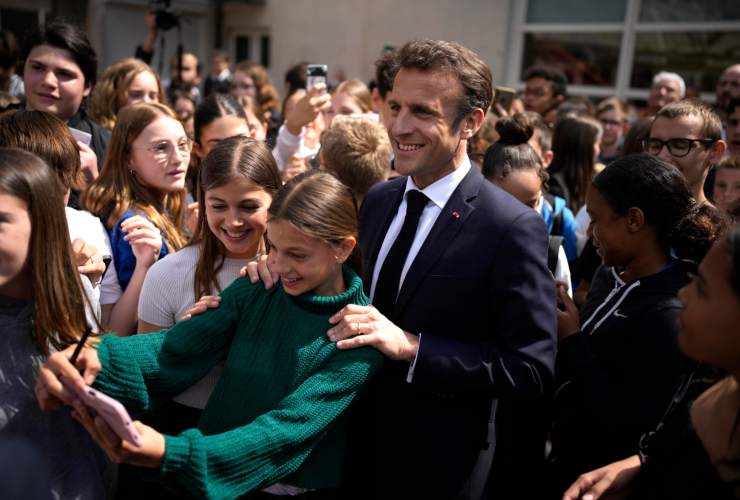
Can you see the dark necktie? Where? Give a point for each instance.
(389, 278)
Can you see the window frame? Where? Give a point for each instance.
(628, 29)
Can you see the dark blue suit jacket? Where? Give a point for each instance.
(480, 294)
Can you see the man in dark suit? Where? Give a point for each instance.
(463, 303)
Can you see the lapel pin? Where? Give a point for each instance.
(456, 214)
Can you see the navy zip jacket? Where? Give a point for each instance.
(616, 377)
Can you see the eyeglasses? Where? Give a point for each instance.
(162, 150)
(610, 123)
(678, 147)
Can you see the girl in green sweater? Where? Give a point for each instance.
(274, 420)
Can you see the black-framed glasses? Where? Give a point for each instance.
(678, 147)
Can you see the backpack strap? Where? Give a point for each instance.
(557, 217)
(553, 249)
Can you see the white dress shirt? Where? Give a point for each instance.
(439, 193)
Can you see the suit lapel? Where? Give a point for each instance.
(442, 235)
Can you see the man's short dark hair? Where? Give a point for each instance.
(470, 70)
(385, 71)
(551, 74)
(69, 37)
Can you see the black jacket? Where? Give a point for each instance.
(617, 376)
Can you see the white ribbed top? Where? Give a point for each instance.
(167, 295)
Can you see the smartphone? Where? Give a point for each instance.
(504, 97)
(315, 74)
(110, 410)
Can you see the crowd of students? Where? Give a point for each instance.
(361, 292)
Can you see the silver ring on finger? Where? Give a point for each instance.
(357, 326)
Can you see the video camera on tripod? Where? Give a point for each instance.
(166, 18)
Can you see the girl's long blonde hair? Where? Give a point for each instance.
(118, 189)
(59, 300)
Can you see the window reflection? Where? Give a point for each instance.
(585, 58)
(662, 11)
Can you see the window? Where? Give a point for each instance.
(253, 45)
(614, 47)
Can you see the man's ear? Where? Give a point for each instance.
(715, 153)
(635, 219)
(471, 123)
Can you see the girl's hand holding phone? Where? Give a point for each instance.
(51, 393)
(149, 454)
(145, 240)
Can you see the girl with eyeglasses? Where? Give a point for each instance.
(140, 199)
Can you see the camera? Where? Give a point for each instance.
(166, 19)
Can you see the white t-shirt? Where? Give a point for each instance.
(167, 295)
(88, 228)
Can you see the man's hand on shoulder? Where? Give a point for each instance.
(360, 326)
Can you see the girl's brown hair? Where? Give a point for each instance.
(267, 95)
(111, 91)
(573, 150)
(231, 159)
(358, 91)
(118, 189)
(46, 136)
(318, 204)
(59, 299)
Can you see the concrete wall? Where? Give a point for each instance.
(350, 34)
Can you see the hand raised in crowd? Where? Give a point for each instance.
(149, 454)
(314, 101)
(569, 322)
(88, 163)
(204, 303)
(612, 480)
(145, 240)
(359, 326)
(89, 261)
(50, 392)
(191, 217)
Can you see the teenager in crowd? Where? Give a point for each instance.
(288, 434)
(612, 114)
(252, 79)
(140, 198)
(126, 82)
(693, 454)
(357, 150)
(619, 363)
(514, 166)
(351, 97)
(43, 308)
(688, 134)
(59, 71)
(733, 127)
(727, 183)
(575, 148)
(237, 181)
(46, 136)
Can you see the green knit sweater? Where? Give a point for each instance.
(275, 413)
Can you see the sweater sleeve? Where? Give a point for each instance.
(144, 370)
(276, 443)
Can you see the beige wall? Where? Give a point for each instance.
(350, 34)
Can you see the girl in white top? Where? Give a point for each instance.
(237, 181)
